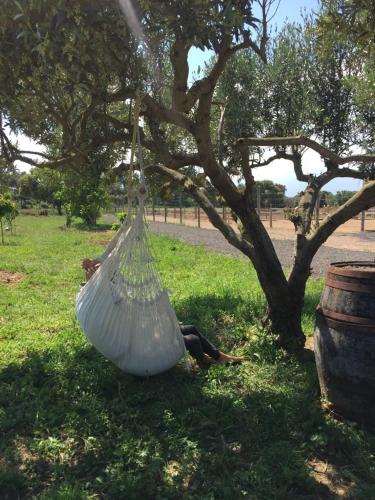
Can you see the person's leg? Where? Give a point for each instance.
(206, 346)
(194, 346)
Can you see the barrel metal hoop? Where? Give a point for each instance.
(336, 268)
(359, 320)
(350, 286)
(339, 325)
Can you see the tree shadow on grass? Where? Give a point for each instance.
(212, 312)
(72, 424)
(231, 318)
(99, 227)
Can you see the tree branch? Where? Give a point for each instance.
(362, 200)
(207, 84)
(310, 143)
(296, 158)
(326, 177)
(52, 164)
(246, 169)
(160, 113)
(229, 233)
(37, 153)
(122, 94)
(17, 154)
(170, 159)
(179, 60)
(264, 163)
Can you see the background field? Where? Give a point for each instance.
(74, 426)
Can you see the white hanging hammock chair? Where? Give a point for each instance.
(123, 309)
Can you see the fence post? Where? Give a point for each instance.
(165, 212)
(363, 218)
(270, 214)
(258, 200)
(153, 208)
(199, 216)
(180, 200)
(317, 209)
(363, 214)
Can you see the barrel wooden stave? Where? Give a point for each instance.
(347, 302)
(345, 361)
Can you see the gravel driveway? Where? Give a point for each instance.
(214, 240)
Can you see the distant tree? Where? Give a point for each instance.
(271, 193)
(28, 188)
(41, 185)
(8, 212)
(327, 199)
(343, 196)
(83, 197)
(85, 192)
(49, 184)
(9, 176)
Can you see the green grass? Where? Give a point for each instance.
(73, 426)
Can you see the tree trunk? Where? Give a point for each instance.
(59, 208)
(285, 324)
(283, 313)
(284, 304)
(90, 220)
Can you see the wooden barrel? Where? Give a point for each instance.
(344, 341)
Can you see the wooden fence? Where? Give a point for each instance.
(197, 217)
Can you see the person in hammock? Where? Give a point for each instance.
(200, 348)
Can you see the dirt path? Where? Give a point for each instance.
(214, 240)
(348, 235)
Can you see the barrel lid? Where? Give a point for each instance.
(359, 269)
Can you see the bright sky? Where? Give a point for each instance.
(280, 171)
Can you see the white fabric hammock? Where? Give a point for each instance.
(123, 309)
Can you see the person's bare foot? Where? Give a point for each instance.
(227, 358)
(205, 362)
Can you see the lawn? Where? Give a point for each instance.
(73, 426)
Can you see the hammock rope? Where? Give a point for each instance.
(123, 309)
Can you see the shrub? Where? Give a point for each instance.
(121, 216)
(8, 211)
